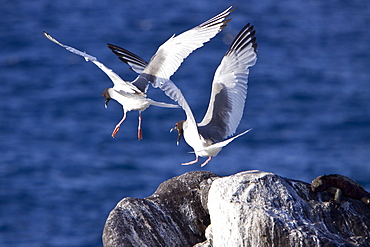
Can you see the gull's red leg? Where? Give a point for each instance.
(139, 131)
(191, 162)
(206, 162)
(116, 129)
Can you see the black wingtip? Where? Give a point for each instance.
(245, 37)
(126, 56)
(220, 18)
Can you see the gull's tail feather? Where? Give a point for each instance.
(227, 141)
(162, 104)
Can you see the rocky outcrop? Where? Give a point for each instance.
(172, 216)
(262, 209)
(251, 208)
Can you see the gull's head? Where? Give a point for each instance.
(180, 130)
(107, 96)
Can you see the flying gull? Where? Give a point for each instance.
(163, 64)
(126, 93)
(225, 109)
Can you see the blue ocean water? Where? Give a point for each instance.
(61, 172)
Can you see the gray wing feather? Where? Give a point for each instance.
(136, 63)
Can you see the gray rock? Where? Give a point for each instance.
(256, 208)
(172, 216)
(251, 208)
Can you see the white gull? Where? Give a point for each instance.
(225, 109)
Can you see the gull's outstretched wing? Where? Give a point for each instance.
(229, 88)
(172, 53)
(122, 84)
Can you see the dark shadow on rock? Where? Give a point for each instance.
(172, 216)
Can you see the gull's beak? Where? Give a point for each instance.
(107, 97)
(179, 137)
(106, 102)
(180, 131)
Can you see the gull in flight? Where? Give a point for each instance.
(126, 93)
(163, 64)
(225, 109)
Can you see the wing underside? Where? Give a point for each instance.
(229, 88)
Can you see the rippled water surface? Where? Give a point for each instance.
(60, 171)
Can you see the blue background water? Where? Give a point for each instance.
(60, 171)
